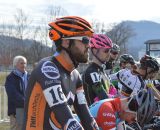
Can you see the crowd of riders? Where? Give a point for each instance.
(113, 93)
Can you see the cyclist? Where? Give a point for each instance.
(55, 84)
(126, 60)
(113, 57)
(149, 67)
(111, 114)
(126, 63)
(133, 82)
(96, 82)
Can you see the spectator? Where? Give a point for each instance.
(15, 85)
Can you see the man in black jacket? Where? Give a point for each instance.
(15, 85)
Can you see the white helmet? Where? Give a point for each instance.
(146, 105)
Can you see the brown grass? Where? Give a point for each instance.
(3, 76)
(4, 126)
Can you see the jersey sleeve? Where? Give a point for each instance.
(83, 112)
(81, 108)
(113, 77)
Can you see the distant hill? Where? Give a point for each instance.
(12, 40)
(11, 46)
(144, 30)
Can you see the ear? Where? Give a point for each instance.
(65, 43)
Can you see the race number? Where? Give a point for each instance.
(54, 95)
(95, 77)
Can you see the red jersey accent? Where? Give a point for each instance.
(106, 117)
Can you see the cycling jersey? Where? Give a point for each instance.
(106, 113)
(96, 83)
(130, 83)
(52, 88)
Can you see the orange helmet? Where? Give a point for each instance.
(69, 26)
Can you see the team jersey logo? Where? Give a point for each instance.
(95, 77)
(50, 70)
(73, 124)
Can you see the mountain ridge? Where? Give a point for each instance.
(144, 30)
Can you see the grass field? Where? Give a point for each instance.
(3, 76)
(4, 126)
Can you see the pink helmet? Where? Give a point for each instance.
(100, 41)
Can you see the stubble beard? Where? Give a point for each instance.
(79, 56)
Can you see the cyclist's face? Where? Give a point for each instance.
(21, 65)
(104, 54)
(114, 55)
(80, 51)
(151, 74)
(129, 117)
(124, 65)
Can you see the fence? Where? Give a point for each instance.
(3, 105)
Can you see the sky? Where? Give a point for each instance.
(106, 11)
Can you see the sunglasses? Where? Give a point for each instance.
(106, 50)
(114, 53)
(84, 40)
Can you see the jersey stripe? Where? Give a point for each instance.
(35, 113)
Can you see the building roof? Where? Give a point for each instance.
(153, 41)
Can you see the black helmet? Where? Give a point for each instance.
(149, 62)
(115, 48)
(126, 58)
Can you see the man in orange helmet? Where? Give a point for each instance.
(55, 84)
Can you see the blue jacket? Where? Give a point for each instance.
(14, 86)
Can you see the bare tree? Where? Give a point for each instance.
(55, 11)
(120, 34)
(38, 49)
(52, 12)
(6, 31)
(22, 28)
(99, 27)
(5, 52)
(22, 24)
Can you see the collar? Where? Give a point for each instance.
(101, 67)
(61, 59)
(19, 73)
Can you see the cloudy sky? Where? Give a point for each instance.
(107, 11)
